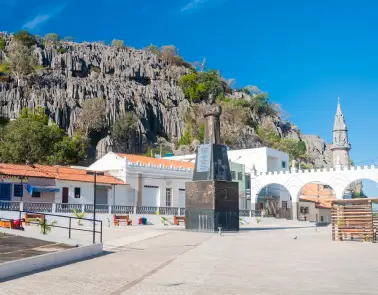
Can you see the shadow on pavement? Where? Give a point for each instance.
(104, 253)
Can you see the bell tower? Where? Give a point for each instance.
(340, 146)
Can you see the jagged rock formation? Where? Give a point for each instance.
(129, 80)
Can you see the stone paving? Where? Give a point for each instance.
(179, 262)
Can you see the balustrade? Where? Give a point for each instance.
(100, 208)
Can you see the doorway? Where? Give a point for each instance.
(65, 195)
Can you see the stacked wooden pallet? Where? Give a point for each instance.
(353, 222)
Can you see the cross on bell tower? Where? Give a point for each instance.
(340, 146)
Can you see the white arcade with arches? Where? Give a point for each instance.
(338, 178)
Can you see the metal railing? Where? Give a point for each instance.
(104, 209)
(44, 224)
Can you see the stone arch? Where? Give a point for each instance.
(327, 194)
(293, 185)
(338, 182)
(312, 204)
(275, 199)
(356, 179)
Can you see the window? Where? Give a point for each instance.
(18, 190)
(247, 181)
(284, 205)
(283, 164)
(304, 210)
(321, 218)
(240, 175)
(77, 192)
(233, 175)
(36, 195)
(168, 197)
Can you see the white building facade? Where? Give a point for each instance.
(151, 182)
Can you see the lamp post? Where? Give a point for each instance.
(94, 206)
(94, 173)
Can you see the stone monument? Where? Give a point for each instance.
(212, 198)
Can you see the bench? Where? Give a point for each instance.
(7, 224)
(29, 216)
(122, 218)
(178, 219)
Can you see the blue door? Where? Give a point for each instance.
(5, 191)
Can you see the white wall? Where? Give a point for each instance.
(117, 195)
(162, 181)
(257, 157)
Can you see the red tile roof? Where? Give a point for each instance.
(321, 203)
(55, 172)
(74, 174)
(156, 161)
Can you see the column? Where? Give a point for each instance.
(294, 210)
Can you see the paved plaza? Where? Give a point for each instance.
(171, 261)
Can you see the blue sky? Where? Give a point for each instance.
(304, 53)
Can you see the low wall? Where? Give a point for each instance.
(22, 266)
(107, 219)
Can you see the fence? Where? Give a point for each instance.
(43, 223)
(105, 209)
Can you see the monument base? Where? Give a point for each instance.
(211, 220)
(211, 204)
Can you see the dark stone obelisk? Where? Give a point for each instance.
(212, 198)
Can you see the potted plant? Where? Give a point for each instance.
(45, 227)
(164, 220)
(79, 216)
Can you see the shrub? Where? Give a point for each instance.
(52, 37)
(4, 68)
(118, 43)
(2, 43)
(25, 38)
(96, 69)
(62, 50)
(198, 86)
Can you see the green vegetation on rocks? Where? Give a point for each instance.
(118, 43)
(295, 149)
(25, 38)
(2, 43)
(197, 86)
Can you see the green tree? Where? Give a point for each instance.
(38, 114)
(154, 49)
(269, 137)
(4, 68)
(67, 151)
(52, 37)
(21, 60)
(29, 139)
(25, 38)
(198, 86)
(122, 131)
(118, 43)
(93, 117)
(2, 43)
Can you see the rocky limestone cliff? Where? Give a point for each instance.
(129, 80)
